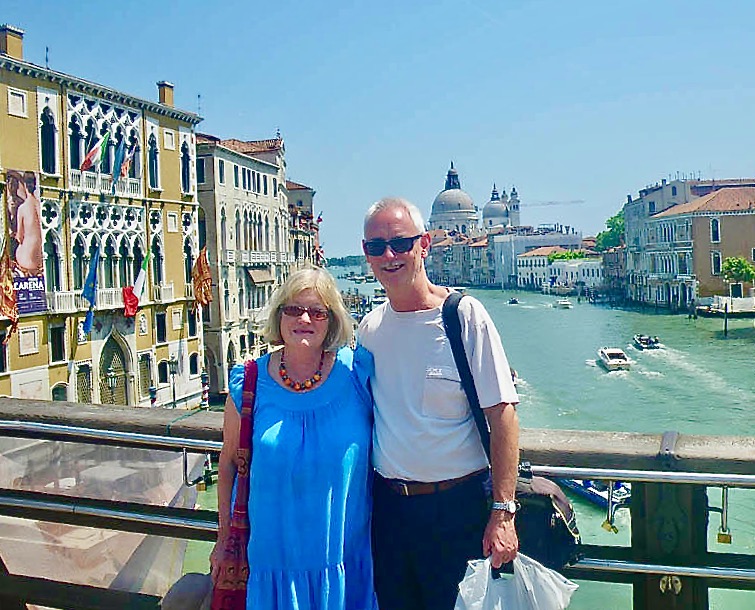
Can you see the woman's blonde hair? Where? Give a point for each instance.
(340, 323)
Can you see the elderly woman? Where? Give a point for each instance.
(309, 489)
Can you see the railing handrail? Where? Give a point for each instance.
(126, 439)
(135, 439)
(647, 476)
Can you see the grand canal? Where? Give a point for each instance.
(700, 383)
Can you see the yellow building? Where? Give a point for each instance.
(49, 123)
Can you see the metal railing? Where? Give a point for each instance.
(617, 562)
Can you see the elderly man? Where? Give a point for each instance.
(431, 512)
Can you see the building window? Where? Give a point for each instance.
(169, 139)
(244, 183)
(673, 191)
(17, 103)
(275, 187)
(221, 171)
(162, 372)
(715, 263)
(192, 323)
(74, 143)
(264, 184)
(185, 168)
(58, 343)
(236, 176)
(145, 374)
(52, 263)
(60, 392)
(651, 208)
(3, 352)
(152, 161)
(194, 364)
(200, 171)
(161, 327)
(715, 230)
(753, 254)
(47, 141)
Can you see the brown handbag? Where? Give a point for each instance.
(229, 590)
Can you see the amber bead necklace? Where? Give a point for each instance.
(300, 386)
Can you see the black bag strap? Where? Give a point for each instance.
(452, 326)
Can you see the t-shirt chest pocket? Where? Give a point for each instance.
(443, 396)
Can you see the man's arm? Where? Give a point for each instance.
(500, 538)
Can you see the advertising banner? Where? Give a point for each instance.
(25, 232)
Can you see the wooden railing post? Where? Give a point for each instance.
(669, 527)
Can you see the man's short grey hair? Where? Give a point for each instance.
(387, 203)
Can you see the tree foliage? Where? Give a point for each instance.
(738, 269)
(566, 256)
(614, 235)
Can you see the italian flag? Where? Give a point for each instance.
(133, 294)
(95, 156)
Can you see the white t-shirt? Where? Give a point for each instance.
(424, 429)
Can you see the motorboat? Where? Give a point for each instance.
(646, 342)
(563, 304)
(613, 359)
(513, 301)
(597, 491)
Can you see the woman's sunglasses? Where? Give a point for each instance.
(296, 311)
(399, 245)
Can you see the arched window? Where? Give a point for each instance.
(157, 262)
(185, 168)
(239, 244)
(79, 269)
(194, 364)
(47, 141)
(123, 265)
(91, 138)
(226, 299)
(60, 392)
(134, 169)
(52, 264)
(267, 235)
(277, 235)
(223, 233)
(138, 260)
(188, 261)
(162, 372)
(74, 143)
(106, 167)
(110, 264)
(152, 153)
(715, 230)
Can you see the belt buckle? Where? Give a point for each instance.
(403, 488)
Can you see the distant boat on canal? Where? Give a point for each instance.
(563, 304)
(643, 342)
(597, 491)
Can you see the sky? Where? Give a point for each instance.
(582, 101)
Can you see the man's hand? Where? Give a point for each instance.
(500, 541)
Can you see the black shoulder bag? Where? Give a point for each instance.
(546, 524)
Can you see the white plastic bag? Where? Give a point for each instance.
(533, 587)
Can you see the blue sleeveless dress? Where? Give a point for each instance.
(310, 490)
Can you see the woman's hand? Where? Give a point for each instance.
(215, 557)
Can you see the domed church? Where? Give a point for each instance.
(453, 209)
(500, 210)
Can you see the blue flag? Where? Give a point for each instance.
(90, 285)
(120, 155)
(88, 321)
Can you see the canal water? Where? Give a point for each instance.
(700, 383)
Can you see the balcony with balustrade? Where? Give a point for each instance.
(97, 183)
(163, 293)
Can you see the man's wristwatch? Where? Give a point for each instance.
(509, 506)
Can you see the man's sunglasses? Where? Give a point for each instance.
(399, 245)
(296, 311)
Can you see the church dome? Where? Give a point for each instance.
(452, 198)
(496, 207)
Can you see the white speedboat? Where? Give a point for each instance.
(563, 304)
(613, 359)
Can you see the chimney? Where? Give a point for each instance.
(629, 199)
(165, 93)
(12, 41)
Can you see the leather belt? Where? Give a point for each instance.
(418, 488)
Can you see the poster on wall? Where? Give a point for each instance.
(25, 231)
